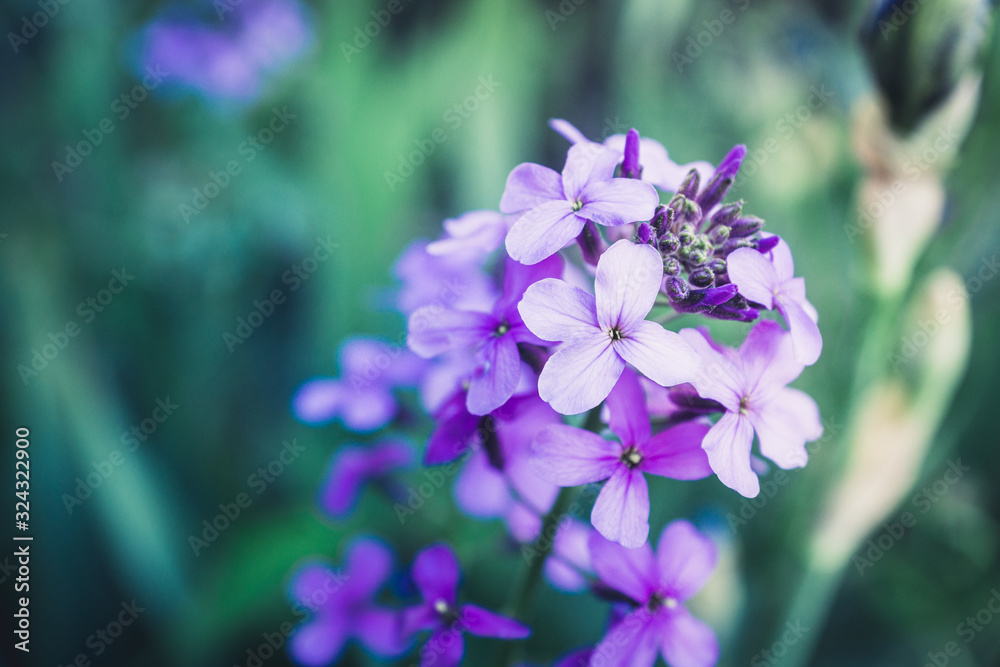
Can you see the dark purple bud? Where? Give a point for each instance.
(630, 165)
(672, 267)
(692, 183)
(702, 277)
(719, 235)
(669, 243)
(719, 295)
(717, 265)
(767, 245)
(677, 288)
(726, 214)
(592, 246)
(735, 244)
(722, 179)
(686, 235)
(746, 226)
(644, 233)
(659, 219)
(685, 396)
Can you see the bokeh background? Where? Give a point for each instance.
(355, 107)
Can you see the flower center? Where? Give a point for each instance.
(631, 457)
(615, 333)
(744, 405)
(441, 607)
(501, 329)
(446, 612)
(577, 205)
(658, 601)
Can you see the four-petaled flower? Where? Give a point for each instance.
(601, 333)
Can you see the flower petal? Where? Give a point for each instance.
(580, 374)
(754, 275)
(720, 379)
(310, 580)
(567, 130)
(662, 356)
(768, 358)
(353, 466)
(806, 338)
(628, 279)
(319, 400)
(481, 490)
(435, 573)
(543, 231)
(530, 185)
(318, 642)
(586, 163)
(728, 447)
(484, 623)
(632, 572)
(496, 379)
(479, 231)
(570, 456)
(433, 330)
(687, 641)
(626, 405)
(556, 311)
(789, 420)
(629, 643)
(621, 512)
(380, 631)
(368, 564)
(618, 201)
(445, 648)
(686, 559)
(781, 257)
(455, 431)
(519, 277)
(368, 409)
(676, 453)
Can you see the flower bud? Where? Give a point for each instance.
(703, 277)
(746, 226)
(677, 288)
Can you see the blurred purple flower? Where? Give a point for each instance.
(605, 331)
(353, 466)
(772, 283)
(232, 61)
(494, 335)
(436, 574)
(750, 385)
(557, 206)
(362, 396)
(343, 607)
(454, 280)
(658, 585)
(570, 456)
(570, 559)
(476, 231)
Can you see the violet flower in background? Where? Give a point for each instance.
(567, 567)
(362, 397)
(476, 231)
(750, 385)
(231, 55)
(658, 585)
(570, 456)
(436, 575)
(557, 206)
(353, 467)
(342, 606)
(601, 333)
(772, 284)
(454, 280)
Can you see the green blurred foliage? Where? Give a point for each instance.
(599, 65)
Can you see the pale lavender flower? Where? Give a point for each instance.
(342, 606)
(557, 206)
(353, 466)
(750, 385)
(455, 280)
(476, 231)
(436, 575)
(601, 333)
(570, 456)
(494, 335)
(772, 284)
(658, 586)
(362, 397)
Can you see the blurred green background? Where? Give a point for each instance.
(603, 66)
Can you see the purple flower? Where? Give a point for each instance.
(658, 585)
(570, 558)
(750, 385)
(656, 166)
(558, 206)
(353, 466)
(603, 332)
(773, 285)
(569, 456)
(362, 397)
(342, 606)
(476, 231)
(455, 280)
(494, 335)
(436, 574)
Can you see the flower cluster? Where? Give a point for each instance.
(536, 342)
